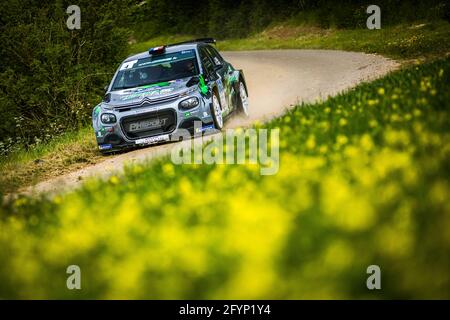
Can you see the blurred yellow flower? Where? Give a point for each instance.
(168, 169)
(343, 122)
(341, 139)
(114, 179)
(311, 142)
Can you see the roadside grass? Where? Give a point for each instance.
(363, 180)
(419, 40)
(66, 153)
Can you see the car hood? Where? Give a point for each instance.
(151, 92)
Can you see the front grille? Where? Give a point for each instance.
(147, 102)
(149, 124)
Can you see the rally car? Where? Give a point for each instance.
(156, 93)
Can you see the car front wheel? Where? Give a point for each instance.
(216, 112)
(243, 100)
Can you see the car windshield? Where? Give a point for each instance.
(156, 69)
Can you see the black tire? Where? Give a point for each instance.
(216, 112)
(242, 99)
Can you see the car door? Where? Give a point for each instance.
(227, 73)
(216, 72)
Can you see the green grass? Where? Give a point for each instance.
(364, 179)
(405, 41)
(63, 154)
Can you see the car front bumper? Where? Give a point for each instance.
(170, 122)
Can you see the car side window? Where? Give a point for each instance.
(217, 58)
(206, 62)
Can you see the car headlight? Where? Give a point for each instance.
(108, 118)
(189, 103)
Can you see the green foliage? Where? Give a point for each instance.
(238, 19)
(364, 179)
(51, 74)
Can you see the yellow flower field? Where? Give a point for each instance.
(363, 179)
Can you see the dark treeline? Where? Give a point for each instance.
(239, 18)
(51, 76)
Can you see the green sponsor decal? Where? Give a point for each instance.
(159, 84)
(149, 93)
(203, 87)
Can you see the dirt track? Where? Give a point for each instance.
(277, 79)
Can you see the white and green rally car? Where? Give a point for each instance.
(155, 94)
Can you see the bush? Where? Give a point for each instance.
(50, 74)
